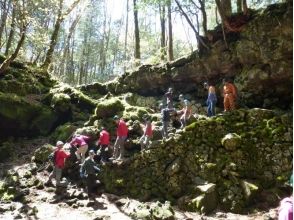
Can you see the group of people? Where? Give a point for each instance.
(88, 166)
(167, 107)
(80, 142)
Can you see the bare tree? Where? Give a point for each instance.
(170, 32)
(126, 35)
(197, 35)
(162, 27)
(21, 11)
(4, 9)
(53, 40)
(12, 29)
(137, 34)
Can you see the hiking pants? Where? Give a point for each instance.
(119, 149)
(144, 141)
(56, 173)
(82, 151)
(164, 129)
(229, 102)
(91, 182)
(211, 108)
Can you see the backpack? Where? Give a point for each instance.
(52, 157)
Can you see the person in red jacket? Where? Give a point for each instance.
(145, 139)
(60, 156)
(122, 134)
(103, 142)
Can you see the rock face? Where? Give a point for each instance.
(199, 164)
(260, 60)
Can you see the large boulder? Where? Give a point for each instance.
(21, 116)
(231, 141)
(42, 153)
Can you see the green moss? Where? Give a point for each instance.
(61, 102)
(108, 108)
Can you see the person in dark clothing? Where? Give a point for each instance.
(169, 98)
(165, 119)
(88, 170)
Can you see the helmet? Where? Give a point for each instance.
(91, 152)
(115, 117)
(59, 143)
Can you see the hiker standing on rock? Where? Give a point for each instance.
(230, 95)
(169, 98)
(165, 119)
(122, 134)
(186, 113)
(211, 99)
(88, 170)
(103, 142)
(145, 139)
(80, 141)
(59, 159)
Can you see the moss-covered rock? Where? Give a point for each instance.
(42, 153)
(61, 102)
(6, 150)
(169, 169)
(108, 108)
(20, 116)
(231, 141)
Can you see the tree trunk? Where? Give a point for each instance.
(54, 36)
(137, 34)
(5, 8)
(67, 42)
(198, 38)
(162, 27)
(245, 7)
(239, 6)
(227, 7)
(170, 33)
(223, 16)
(7, 62)
(204, 16)
(126, 36)
(11, 32)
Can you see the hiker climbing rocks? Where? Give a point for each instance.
(59, 159)
(80, 141)
(103, 142)
(165, 119)
(211, 99)
(122, 134)
(186, 113)
(230, 95)
(145, 139)
(169, 98)
(88, 170)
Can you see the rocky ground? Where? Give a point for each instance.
(39, 202)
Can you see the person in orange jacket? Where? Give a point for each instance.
(230, 95)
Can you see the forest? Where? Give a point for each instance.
(82, 41)
(146, 109)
